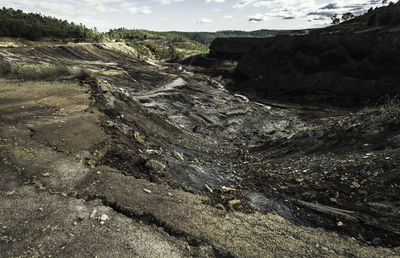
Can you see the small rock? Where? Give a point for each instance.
(46, 174)
(356, 185)
(110, 124)
(153, 152)
(178, 155)
(234, 203)
(209, 189)
(138, 137)
(102, 222)
(340, 224)
(155, 165)
(104, 217)
(147, 191)
(333, 200)
(227, 189)
(93, 214)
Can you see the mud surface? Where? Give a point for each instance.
(176, 158)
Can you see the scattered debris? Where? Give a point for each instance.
(93, 214)
(138, 137)
(227, 189)
(155, 165)
(209, 189)
(147, 191)
(104, 217)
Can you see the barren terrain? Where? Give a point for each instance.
(161, 160)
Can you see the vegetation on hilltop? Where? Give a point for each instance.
(171, 45)
(208, 37)
(31, 26)
(159, 45)
(381, 16)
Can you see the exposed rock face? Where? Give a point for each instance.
(342, 69)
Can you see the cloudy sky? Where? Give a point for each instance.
(195, 15)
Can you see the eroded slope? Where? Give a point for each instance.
(175, 160)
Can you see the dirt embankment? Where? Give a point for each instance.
(153, 160)
(344, 69)
(352, 64)
(233, 48)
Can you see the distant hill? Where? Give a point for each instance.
(31, 26)
(208, 37)
(157, 45)
(172, 45)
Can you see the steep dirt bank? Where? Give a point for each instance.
(181, 167)
(344, 69)
(352, 64)
(234, 48)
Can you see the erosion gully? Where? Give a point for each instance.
(185, 129)
(317, 165)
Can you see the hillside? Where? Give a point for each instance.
(355, 63)
(207, 38)
(157, 45)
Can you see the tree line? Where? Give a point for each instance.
(32, 26)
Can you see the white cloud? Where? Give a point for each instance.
(145, 10)
(134, 9)
(204, 20)
(244, 3)
(312, 10)
(166, 2)
(325, 12)
(215, 1)
(228, 17)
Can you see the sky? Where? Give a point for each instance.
(195, 15)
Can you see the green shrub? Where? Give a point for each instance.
(5, 68)
(83, 75)
(392, 102)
